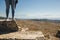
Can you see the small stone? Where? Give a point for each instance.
(40, 38)
(58, 33)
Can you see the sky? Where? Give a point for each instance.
(34, 9)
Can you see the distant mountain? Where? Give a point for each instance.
(46, 20)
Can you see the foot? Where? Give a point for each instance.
(8, 20)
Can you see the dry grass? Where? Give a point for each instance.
(49, 28)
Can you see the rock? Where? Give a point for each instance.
(25, 29)
(19, 28)
(40, 38)
(8, 26)
(58, 33)
(27, 35)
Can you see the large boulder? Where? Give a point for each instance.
(58, 33)
(8, 26)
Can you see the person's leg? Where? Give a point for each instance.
(13, 8)
(7, 12)
(13, 11)
(7, 8)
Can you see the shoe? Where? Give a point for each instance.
(8, 20)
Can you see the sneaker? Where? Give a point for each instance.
(8, 20)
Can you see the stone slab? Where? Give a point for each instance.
(23, 35)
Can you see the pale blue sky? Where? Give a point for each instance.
(35, 9)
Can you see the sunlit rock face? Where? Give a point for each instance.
(8, 26)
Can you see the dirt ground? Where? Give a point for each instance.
(49, 29)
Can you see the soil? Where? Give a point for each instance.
(49, 29)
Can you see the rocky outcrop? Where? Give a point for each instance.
(58, 33)
(8, 26)
(23, 35)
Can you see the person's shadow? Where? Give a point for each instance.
(8, 27)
